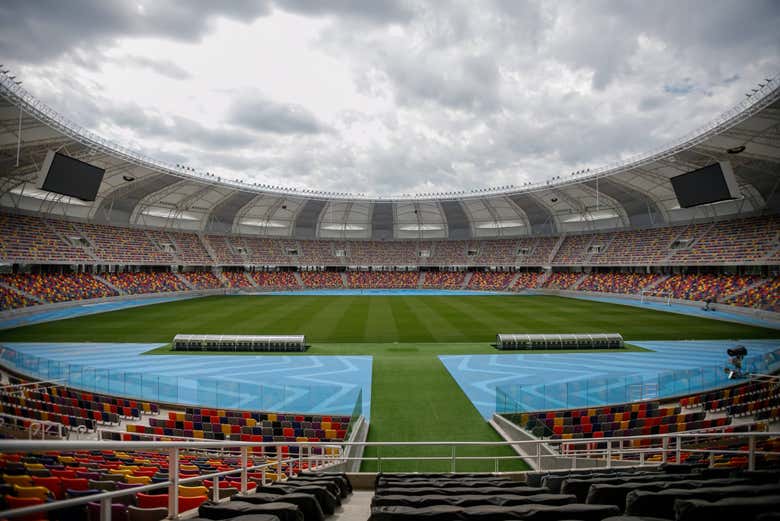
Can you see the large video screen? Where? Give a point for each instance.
(68, 176)
(706, 185)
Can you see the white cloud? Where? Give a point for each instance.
(392, 96)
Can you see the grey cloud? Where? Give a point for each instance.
(162, 67)
(149, 124)
(649, 103)
(263, 115)
(718, 37)
(377, 11)
(472, 94)
(468, 83)
(42, 30)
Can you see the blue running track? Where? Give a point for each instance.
(554, 381)
(314, 384)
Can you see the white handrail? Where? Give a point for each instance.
(325, 460)
(42, 383)
(33, 422)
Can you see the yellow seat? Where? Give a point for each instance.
(226, 429)
(331, 434)
(22, 480)
(35, 466)
(128, 467)
(325, 426)
(124, 472)
(39, 492)
(271, 417)
(197, 434)
(185, 491)
(188, 467)
(251, 422)
(138, 480)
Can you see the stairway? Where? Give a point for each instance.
(174, 254)
(512, 282)
(421, 281)
(88, 250)
(555, 249)
(23, 293)
(119, 290)
(184, 280)
(251, 279)
(225, 282)
(579, 281)
(298, 278)
(589, 256)
(344, 279)
(655, 284)
(540, 280)
(207, 247)
(466, 280)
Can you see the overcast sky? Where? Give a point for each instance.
(390, 97)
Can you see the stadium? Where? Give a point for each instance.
(601, 344)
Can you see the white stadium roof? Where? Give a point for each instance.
(141, 191)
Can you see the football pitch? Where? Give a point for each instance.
(414, 398)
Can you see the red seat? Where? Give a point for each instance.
(152, 500)
(249, 485)
(53, 483)
(190, 503)
(75, 483)
(19, 502)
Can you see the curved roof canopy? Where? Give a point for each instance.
(635, 193)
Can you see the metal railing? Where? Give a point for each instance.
(604, 450)
(34, 428)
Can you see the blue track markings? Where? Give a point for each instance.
(554, 381)
(306, 384)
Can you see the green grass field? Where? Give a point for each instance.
(413, 396)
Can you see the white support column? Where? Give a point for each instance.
(752, 453)
(173, 488)
(452, 464)
(665, 447)
(279, 462)
(105, 509)
(244, 465)
(677, 449)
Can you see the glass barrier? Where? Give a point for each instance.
(207, 392)
(517, 398)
